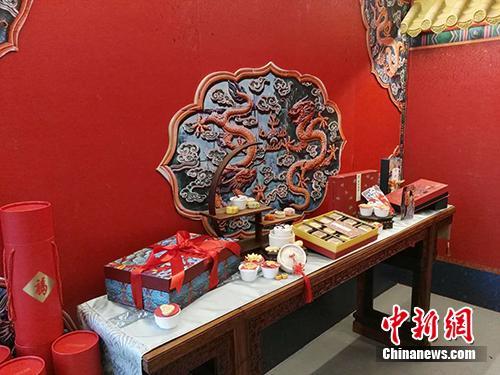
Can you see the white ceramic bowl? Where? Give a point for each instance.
(240, 202)
(168, 322)
(248, 275)
(270, 273)
(381, 211)
(365, 210)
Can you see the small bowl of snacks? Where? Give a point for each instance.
(249, 271)
(167, 316)
(270, 269)
(365, 209)
(252, 203)
(240, 201)
(269, 217)
(254, 258)
(289, 211)
(381, 210)
(279, 214)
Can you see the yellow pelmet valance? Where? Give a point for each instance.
(438, 15)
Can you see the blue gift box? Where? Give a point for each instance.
(156, 281)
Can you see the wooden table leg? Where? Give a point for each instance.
(367, 320)
(364, 296)
(422, 275)
(241, 348)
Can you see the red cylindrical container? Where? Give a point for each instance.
(29, 365)
(77, 350)
(5, 354)
(31, 268)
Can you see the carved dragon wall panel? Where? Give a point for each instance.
(290, 114)
(387, 47)
(13, 13)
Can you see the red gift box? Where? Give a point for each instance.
(426, 193)
(176, 270)
(344, 190)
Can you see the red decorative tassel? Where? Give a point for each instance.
(298, 269)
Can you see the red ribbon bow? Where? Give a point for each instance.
(199, 247)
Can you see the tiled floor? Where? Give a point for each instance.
(341, 351)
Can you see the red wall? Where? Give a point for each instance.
(453, 136)
(87, 100)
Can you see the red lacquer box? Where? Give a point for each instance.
(344, 190)
(427, 193)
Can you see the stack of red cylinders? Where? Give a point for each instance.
(31, 268)
(77, 350)
(29, 365)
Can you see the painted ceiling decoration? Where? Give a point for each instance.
(468, 35)
(13, 14)
(387, 47)
(439, 15)
(299, 133)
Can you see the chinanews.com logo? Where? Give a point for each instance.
(457, 325)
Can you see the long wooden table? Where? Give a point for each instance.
(233, 340)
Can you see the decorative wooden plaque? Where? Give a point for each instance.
(289, 113)
(13, 13)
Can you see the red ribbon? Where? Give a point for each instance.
(199, 247)
(298, 269)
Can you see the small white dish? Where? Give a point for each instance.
(249, 275)
(365, 209)
(289, 255)
(381, 211)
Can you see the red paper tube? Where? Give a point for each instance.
(32, 272)
(29, 365)
(77, 350)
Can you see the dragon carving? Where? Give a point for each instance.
(387, 47)
(292, 127)
(303, 115)
(390, 59)
(238, 175)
